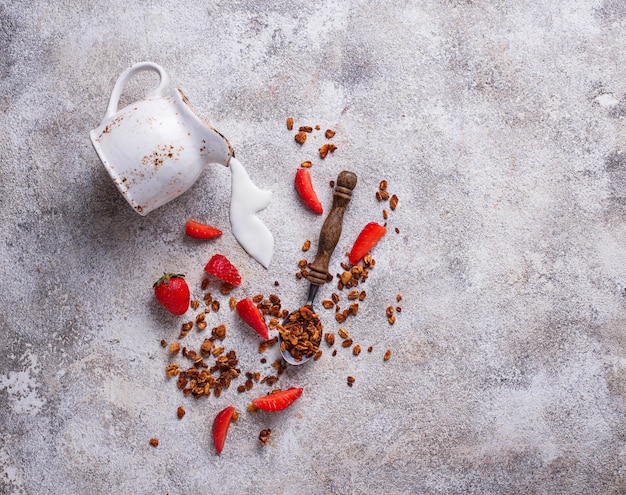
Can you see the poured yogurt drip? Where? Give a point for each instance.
(245, 201)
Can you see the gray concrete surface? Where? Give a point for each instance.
(500, 126)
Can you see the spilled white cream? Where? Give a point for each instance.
(246, 201)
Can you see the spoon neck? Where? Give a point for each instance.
(313, 288)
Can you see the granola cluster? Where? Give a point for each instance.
(301, 334)
(211, 368)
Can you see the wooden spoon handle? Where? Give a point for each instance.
(331, 230)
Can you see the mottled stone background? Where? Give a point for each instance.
(501, 127)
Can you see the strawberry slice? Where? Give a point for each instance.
(199, 230)
(366, 240)
(220, 426)
(248, 312)
(219, 266)
(277, 401)
(304, 186)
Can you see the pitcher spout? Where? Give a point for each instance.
(212, 145)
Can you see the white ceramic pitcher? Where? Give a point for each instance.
(156, 148)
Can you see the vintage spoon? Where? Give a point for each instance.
(329, 237)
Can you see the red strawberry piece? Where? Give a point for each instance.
(277, 401)
(220, 427)
(366, 240)
(199, 230)
(219, 266)
(172, 292)
(304, 186)
(248, 312)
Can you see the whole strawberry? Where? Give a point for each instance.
(172, 292)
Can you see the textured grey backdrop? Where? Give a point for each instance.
(500, 126)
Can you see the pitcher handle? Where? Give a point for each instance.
(156, 92)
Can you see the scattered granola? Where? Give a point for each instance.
(300, 137)
(382, 195)
(306, 246)
(265, 345)
(290, 123)
(219, 332)
(327, 148)
(387, 355)
(351, 381)
(391, 317)
(264, 436)
(154, 442)
(329, 134)
(353, 294)
(185, 328)
(172, 369)
(206, 347)
(226, 288)
(306, 164)
(270, 380)
(180, 412)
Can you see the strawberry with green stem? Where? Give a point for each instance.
(172, 292)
